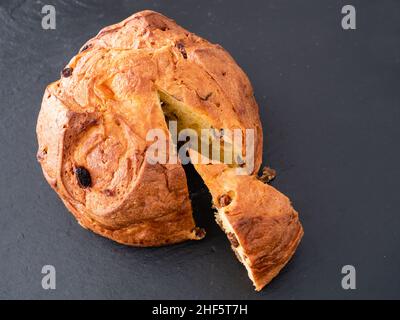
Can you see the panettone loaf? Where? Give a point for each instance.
(93, 147)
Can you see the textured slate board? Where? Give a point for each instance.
(329, 101)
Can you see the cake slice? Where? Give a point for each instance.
(259, 221)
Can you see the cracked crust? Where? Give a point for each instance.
(98, 114)
(130, 200)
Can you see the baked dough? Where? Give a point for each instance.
(263, 228)
(92, 141)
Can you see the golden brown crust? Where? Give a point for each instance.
(202, 75)
(98, 114)
(96, 117)
(130, 200)
(260, 220)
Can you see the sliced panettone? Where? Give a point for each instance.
(94, 121)
(93, 148)
(262, 226)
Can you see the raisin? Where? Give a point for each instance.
(41, 155)
(85, 47)
(83, 177)
(199, 232)
(268, 175)
(67, 72)
(224, 200)
(181, 48)
(109, 193)
(232, 238)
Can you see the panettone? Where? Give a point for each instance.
(93, 147)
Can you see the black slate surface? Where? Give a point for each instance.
(330, 106)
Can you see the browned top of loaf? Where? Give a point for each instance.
(98, 114)
(149, 51)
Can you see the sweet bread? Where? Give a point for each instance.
(92, 130)
(263, 228)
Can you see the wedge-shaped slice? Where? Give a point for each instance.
(260, 222)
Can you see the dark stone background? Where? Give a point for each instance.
(329, 102)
